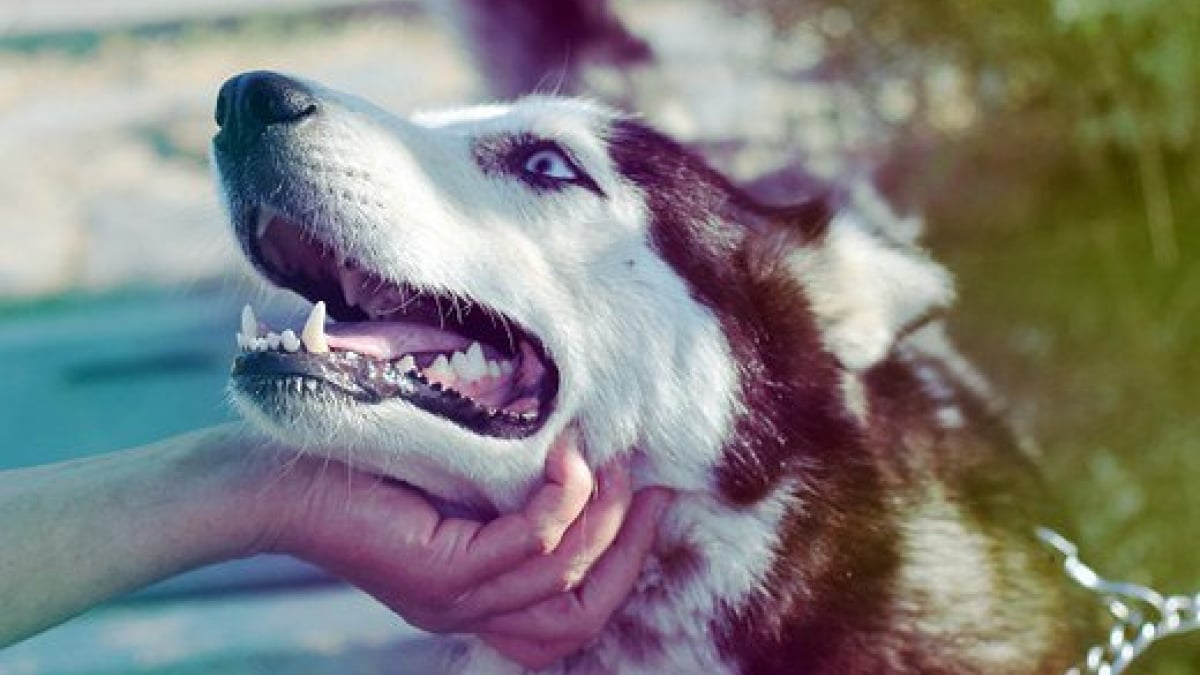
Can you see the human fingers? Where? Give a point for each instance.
(389, 541)
(586, 540)
(562, 625)
(430, 568)
(479, 552)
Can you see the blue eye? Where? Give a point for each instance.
(545, 166)
(550, 163)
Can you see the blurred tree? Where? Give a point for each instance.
(1105, 85)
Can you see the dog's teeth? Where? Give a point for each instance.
(493, 369)
(313, 335)
(468, 368)
(260, 344)
(249, 323)
(440, 369)
(477, 365)
(273, 341)
(289, 341)
(407, 364)
(311, 384)
(458, 362)
(241, 342)
(506, 368)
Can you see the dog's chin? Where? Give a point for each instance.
(464, 473)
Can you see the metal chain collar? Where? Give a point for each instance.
(1141, 616)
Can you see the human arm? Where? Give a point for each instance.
(75, 534)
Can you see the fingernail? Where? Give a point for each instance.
(564, 444)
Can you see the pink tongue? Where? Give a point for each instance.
(389, 340)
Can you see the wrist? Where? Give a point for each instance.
(237, 492)
(266, 493)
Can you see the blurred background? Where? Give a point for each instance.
(1051, 146)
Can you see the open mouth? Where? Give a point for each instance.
(447, 355)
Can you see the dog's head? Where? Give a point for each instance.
(497, 273)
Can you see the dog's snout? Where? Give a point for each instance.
(251, 102)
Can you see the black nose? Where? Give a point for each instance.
(251, 102)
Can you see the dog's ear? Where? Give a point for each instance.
(866, 282)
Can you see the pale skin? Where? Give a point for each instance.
(537, 584)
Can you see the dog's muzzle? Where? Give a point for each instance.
(444, 353)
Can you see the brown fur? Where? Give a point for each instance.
(909, 544)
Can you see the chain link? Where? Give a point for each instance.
(1141, 616)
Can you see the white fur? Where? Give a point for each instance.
(866, 291)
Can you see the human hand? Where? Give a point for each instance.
(536, 585)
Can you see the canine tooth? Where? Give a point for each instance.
(289, 341)
(406, 364)
(313, 335)
(249, 323)
(273, 340)
(493, 369)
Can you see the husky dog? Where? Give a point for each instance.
(848, 500)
